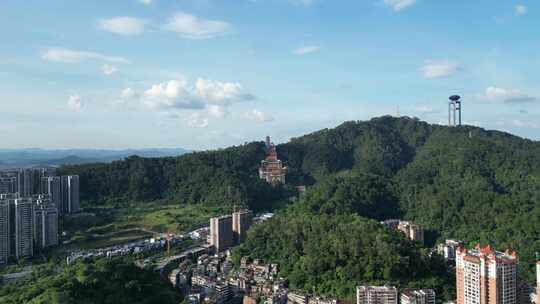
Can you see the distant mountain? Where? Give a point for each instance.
(34, 157)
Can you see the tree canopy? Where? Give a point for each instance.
(101, 281)
(457, 182)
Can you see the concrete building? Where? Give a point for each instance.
(297, 298)
(29, 180)
(24, 182)
(22, 222)
(422, 296)
(174, 277)
(525, 291)
(8, 184)
(223, 292)
(486, 276)
(321, 300)
(45, 226)
(52, 186)
(221, 235)
(249, 300)
(448, 249)
(5, 240)
(70, 194)
(241, 222)
(412, 231)
(376, 295)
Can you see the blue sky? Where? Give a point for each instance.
(204, 74)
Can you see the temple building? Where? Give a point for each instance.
(272, 169)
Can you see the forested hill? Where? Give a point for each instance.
(465, 182)
(462, 182)
(228, 176)
(384, 146)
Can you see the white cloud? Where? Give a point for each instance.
(74, 56)
(196, 121)
(128, 93)
(521, 10)
(216, 111)
(507, 95)
(439, 69)
(174, 94)
(425, 110)
(180, 94)
(494, 93)
(525, 124)
(123, 25)
(128, 99)
(258, 116)
(109, 69)
(220, 92)
(189, 26)
(75, 103)
(398, 5)
(146, 2)
(171, 89)
(306, 50)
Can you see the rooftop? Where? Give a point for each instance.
(480, 252)
(379, 288)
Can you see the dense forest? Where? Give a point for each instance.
(101, 281)
(331, 255)
(219, 177)
(462, 182)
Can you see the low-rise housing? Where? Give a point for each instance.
(376, 295)
(422, 296)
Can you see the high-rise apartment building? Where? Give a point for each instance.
(23, 182)
(52, 186)
(376, 295)
(29, 219)
(221, 235)
(45, 226)
(22, 216)
(8, 184)
(70, 194)
(486, 276)
(241, 222)
(29, 181)
(10, 181)
(5, 240)
(422, 296)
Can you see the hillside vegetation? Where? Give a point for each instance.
(93, 282)
(214, 178)
(465, 182)
(331, 255)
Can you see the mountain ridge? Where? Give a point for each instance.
(456, 182)
(37, 157)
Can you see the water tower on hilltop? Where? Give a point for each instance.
(454, 111)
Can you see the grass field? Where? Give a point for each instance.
(122, 222)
